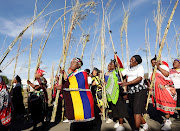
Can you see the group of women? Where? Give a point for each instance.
(126, 91)
(134, 88)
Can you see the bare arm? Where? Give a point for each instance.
(164, 72)
(33, 86)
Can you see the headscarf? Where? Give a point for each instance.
(138, 59)
(40, 72)
(177, 60)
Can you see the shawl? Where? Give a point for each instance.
(79, 102)
(112, 88)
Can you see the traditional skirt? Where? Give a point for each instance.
(163, 98)
(79, 102)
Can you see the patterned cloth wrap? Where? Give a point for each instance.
(5, 105)
(79, 102)
(112, 88)
(163, 98)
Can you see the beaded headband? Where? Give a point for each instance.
(77, 60)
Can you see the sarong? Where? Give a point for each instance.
(163, 98)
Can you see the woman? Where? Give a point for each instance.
(115, 96)
(96, 88)
(39, 102)
(109, 109)
(136, 90)
(5, 107)
(79, 102)
(17, 98)
(164, 94)
(175, 76)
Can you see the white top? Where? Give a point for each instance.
(134, 72)
(35, 82)
(89, 80)
(175, 77)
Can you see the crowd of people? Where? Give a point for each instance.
(126, 92)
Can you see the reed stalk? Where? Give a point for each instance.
(84, 45)
(159, 53)
(79, 43)
(121, 36)
(158, 24)
(174, 37)
(19, 45)
(35, 11)
(102, 62)
(146, 44)
(149, 47)
(41, 52)
(94, 51)
(9, 62)
(169, 52)
(114, 50)
(65, 50)
(3, 44)
(20, 34)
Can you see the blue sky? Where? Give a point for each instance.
(14, 15)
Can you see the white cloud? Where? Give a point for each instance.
(137, 3)
(13, 26)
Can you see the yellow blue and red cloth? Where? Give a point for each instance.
(79, 102)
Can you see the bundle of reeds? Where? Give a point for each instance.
(74, 20)
(19, 45)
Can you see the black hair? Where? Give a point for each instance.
(87, 70)
(155, 58)
(96, 69)
(138, 59)
(18, 79)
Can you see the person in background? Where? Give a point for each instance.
(96, 88)
(17, 98)
(164, 93)
(175, 76)
(96, 82)
(89, 77)
(5, 106)
(41, 110)
(115, 96)
(137, 91)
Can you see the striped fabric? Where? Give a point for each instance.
(78, 98)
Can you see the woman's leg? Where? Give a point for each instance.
(137, 118)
